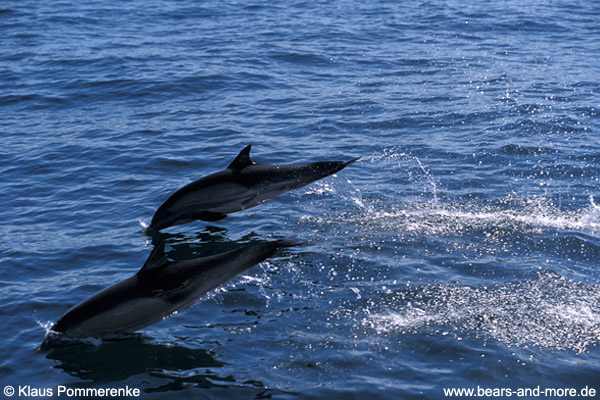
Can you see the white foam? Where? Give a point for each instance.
(436, 218)
(551, 311)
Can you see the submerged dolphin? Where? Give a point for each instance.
(242, 185)
(160, 289)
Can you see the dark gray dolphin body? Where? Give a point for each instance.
(160, 289)
(242, 185)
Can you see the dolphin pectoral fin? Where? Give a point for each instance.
(260, 198)
(242, 160)
(249, 199)
(210, 216)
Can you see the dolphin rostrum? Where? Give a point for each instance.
(160, 289)
(242, 185)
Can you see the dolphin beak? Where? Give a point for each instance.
(351, 161)
(340, 165)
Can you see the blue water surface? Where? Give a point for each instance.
(462, 250)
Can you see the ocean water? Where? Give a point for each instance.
(462, 250)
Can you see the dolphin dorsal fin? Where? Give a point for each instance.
(242, 160)
(157, 259)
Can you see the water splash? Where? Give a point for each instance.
(435, 218)
(46, 326)
(54, 339)
(261, 281)
(319, 189)
(550, 311)
(430, 180)
(431, 215)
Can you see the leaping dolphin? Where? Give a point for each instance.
(160, 289)
(242, 185)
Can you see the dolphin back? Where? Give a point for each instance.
(208, 273)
